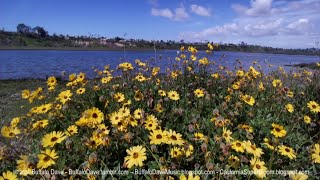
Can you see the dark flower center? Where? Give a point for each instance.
(54, 139)
(159, 136)
(174, 138)
(94, 115)
(46, 159)
(135, 155)
(92, 143)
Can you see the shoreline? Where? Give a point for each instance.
(76, 49)
(304, 65)
(127, 49)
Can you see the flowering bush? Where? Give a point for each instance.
(196, 115)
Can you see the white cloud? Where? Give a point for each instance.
(200, 10)
(280, 23)
(153, 2)
(263, 28)
(179, 14)
(162, 12)
(300, 26)
(258, 7)
(298, 23)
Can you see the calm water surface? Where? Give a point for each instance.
(17, 64)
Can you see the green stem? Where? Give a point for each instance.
(150, 152)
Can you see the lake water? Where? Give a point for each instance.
(17, 64)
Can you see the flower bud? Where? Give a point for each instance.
(93, 158)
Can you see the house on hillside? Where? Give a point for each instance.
(119, 44)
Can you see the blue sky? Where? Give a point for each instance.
(277, 23)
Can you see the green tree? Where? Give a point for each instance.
(23, 29)
(40, 31)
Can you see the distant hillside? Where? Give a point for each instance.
(37, 38)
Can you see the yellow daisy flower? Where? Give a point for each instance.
(138, 113)
(315, 156)
(106, 80)
(253, 149)
(157, 137)
(238, 146)
(248, 99)
(53, 138)
(298, 176)
(46, 158)
(151, 125)
(174, 138)
(8, 176)
(119, 97)
(10, 132)
(190, 176)
(258, 167)
(138, 96)
(313, 106)
(234, 161)
(15, 121)
(25, 94)
(136, 156)
(24, 165)
(52, 81)
(162, 92)
(71, 130)
(188, 150)
(290, 108)
(175, 152)
(307, 119)
(65, 96)
(173, 95)
(40, 124)
(277, 83)
(199, 136)
(287, 151)
(278, 130)
(269, 143)
(94, 115)
(124, 111)
(81, 90)
(226, 134)
(198, 93)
